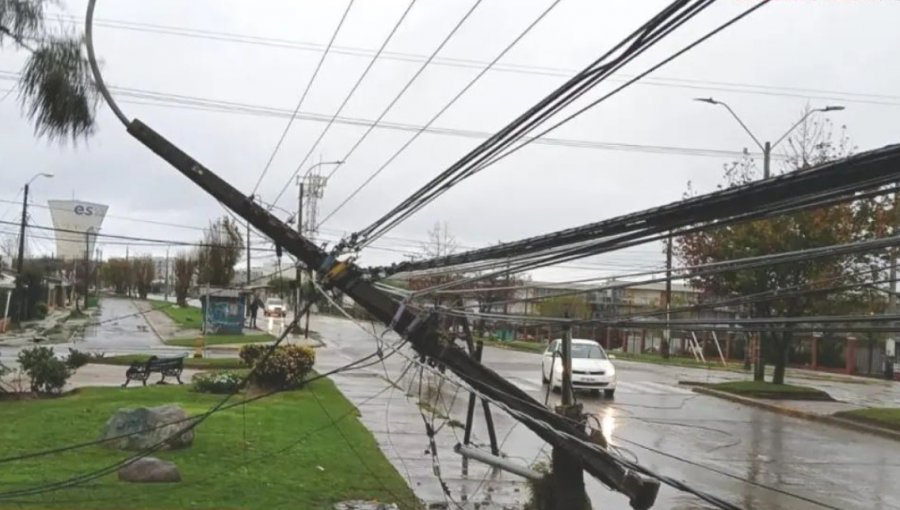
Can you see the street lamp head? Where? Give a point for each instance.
(832, 108)
(39, 174)
(706, 100)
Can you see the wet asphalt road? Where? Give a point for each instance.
(724, 448)
(727, 449)
(119, 329)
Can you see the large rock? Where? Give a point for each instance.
(145, 427)
(150, 470)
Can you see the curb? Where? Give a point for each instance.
(829, 419)
(148, 321)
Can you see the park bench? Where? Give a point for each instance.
(141, 370)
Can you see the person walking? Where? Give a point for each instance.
(254, 308)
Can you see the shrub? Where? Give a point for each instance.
(217, 382)
(41, 310)
(249, 353)
(46, 373)
(77, 359)
(285, 367)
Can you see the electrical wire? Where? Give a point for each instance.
(145, 97)
(677, 484)
(439, 113)
(164, 242)
(524, 69)
(645, 37)
(853, 178)
(306, 90)
(400, 94)
(347, 98)
(351, 412)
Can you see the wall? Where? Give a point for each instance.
(225, 315)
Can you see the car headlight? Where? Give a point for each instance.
(612, 371)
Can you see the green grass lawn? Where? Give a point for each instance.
(888, 417)
(186, 317)
(677, 361)
(197, 363)
(280, 452)
(252, 338)
(758, 389)
(516, 345)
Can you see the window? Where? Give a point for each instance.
(587, 351)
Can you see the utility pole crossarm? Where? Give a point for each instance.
(422, 334)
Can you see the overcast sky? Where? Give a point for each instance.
(767, 67)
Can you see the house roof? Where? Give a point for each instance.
(222, 293)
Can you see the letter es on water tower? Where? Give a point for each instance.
(73, 219)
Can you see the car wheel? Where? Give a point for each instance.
(609, 394)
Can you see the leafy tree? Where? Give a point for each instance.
(221, 251)
(55, 87)
(143, 270)
(185, 268)
(116, 272)
(814, 143)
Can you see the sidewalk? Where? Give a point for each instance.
(823, 412)
(162, 326)
(30, 330)
(102, 375)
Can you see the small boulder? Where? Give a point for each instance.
(145, 427)
(150, 470)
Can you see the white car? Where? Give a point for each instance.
(274, 308)
(591, 367)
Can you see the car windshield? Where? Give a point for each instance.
(274, 302)
(588, 351)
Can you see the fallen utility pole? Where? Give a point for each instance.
(568, 475)
(420, 330)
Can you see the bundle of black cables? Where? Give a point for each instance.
(651, 32)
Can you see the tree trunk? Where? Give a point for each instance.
(782, 348)
(759, 367)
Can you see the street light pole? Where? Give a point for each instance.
(767, 147)
(20, 261)
(312, 186)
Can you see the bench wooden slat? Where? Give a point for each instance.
(164, 366)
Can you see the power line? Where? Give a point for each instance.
(658, 27)
(346, 100)
(396, 98)
(183, 102)
(526, 69)
(535, 422)
(489, 153)
(309, 84)
(117, 217)
(440, 112)
(163, 242)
